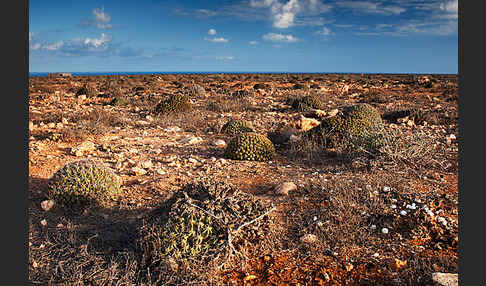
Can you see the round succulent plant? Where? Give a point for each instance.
(197, 90)
(82, 182)
(250, 146)
(305, 103)
(175, 103)
(196, 221)
(234, 127)
(357, 120)
(87, 90)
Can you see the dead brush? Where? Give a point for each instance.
(97, 122)
(391, 145)
(236, 104)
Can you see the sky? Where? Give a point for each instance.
(399, 36)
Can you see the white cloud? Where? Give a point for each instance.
(97, 42)
(101, 19)
(325, 32)
(225, 58)
(31, 36)
(449, 9)
(217, 40)
(212, 32)
(371, 8)
(253, 43)
(343, 25)
(54, 47)
(274, 37)
(35, 46)
(284, 15)
(100, 15)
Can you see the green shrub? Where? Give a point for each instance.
(234, 127)
(197, 90)
(119, 101)
(87, 90)
(250, 146)
(82, 182)
(196, 222)
(175, 103)
(305, 103)
(357, 120)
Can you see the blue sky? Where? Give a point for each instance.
(400, 36)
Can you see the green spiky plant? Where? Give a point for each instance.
(250, 146)
(174, 103)
(306, 103)
(82, 182)
(195, 223)
(353, 121)
(234, 127)
(87, 90)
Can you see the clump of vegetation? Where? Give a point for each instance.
(242, 93)
(197, 90)
(355, 121)
(199, 223)
(260, 86)
(306, 103)
(87, 90)
(119, 101)
(175, 103)
(392, 145)
(234, 127)
(250, 146)
(82, 182)
(299, 86)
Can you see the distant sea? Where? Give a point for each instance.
(44, 74)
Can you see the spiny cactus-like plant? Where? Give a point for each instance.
(87, 90)
(242, 93)
(250, 146)
(353, 121)
(119, 101)
(194, 224)
(82, 182)
(234, 127)
(175, 103)
(197, 90)
(305, 103)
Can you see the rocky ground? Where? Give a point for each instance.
(339, 218)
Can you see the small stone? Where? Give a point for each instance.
(47, 205)
(31, 126)
(147, 164)
(384, 230)
(138, 171)
(393, 206)
(285, 188)
(403, 212)
(161, 172)
(219, 143)
(376, 254)
(190, 140)
(294, 138)
(51, 125)
(43, 222)
(83, 148)
(445, 279)
(172, 129)
(64, 121)
(307, 123)
(192, 160)
(59, 125)
(308, 238)
(333, 112)
(386, 189)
